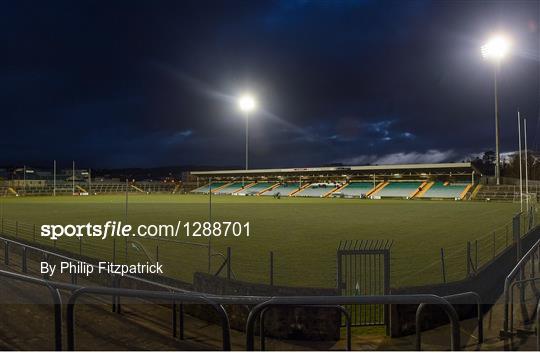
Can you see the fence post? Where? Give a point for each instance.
(24, 259)
(157, 253)
(468, 258)
(181, 320)
(6, 253)
(45, 258)
(271, 268)
(443, 266)
(533, 256)
(34, 232)
(229, 262)
(387, 289)
(494, 250)
(516, 229)
(174, 317)
(476, 255)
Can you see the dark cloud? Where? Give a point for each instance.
(140, 83)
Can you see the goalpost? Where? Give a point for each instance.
(530, 200)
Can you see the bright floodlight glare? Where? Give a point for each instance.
(246, 103)
(496, 48)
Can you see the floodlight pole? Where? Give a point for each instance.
(247, 138)
(497, 154)
(246, 116)
(210, 221)
(73, 180)
(126, 216)
(54, 178)
(24, 180)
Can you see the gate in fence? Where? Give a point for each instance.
(363, 268)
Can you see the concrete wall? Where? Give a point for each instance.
(290, 323)
(488, 282)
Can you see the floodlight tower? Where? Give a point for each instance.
(495, 50)
(247, 104)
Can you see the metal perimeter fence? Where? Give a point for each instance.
(460, 261)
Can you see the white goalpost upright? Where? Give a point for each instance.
(520, 168)
(526, 162)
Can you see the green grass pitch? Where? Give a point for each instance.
(303, 232)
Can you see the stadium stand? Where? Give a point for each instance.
(283, 189)
(158, 187)
(355, 189)
(6, 190)
(401, 189)
(397, 180)
(97, 188)
(497, 192)
(316, 190)
(205, 189)
(442, 190)
(110, 188)
(254, 189)
(229, 189)
(503, 192)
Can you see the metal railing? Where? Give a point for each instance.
(77, 290)
(518, 270)
(341, 309)
(520, 284)
(182, 297)
(453, 299)
(538, 326)
(350, 300)
(217, 302)
(56, 299)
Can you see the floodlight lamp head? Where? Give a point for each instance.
(496, 48)
(247, 103)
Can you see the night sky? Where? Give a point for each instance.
(154, 83)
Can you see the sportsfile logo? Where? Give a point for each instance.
(110, 228)
(120, 229)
